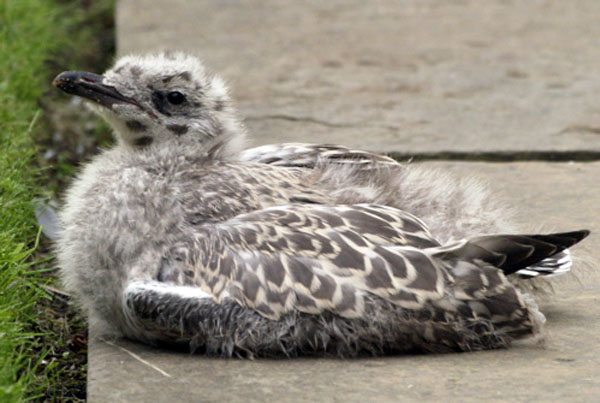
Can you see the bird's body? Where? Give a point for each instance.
(184, 238)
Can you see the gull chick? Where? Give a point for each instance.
(177, 236)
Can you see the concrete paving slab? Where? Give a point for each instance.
(565, 368)
(409, 76)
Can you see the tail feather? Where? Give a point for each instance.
(554, 265)
(521, 254)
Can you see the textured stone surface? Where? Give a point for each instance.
(567, 368)
(416, 76)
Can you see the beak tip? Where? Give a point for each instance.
(63, 80)
(57, 81)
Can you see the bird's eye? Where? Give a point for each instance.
(175, 97)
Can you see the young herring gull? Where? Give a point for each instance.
(178, 237)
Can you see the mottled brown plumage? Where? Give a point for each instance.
(177, 236)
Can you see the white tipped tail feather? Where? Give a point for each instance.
(555, 265)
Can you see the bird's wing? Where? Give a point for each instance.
(304, 155)
(312, 258)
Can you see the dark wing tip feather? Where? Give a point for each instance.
(564, 239)
(519, 251)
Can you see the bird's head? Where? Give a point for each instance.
(158, 99)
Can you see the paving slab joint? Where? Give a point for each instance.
(500, 156)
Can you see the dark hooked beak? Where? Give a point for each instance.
(89, 85)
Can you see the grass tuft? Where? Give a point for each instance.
(37, 40)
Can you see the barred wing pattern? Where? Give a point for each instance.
(312, 258)
(304, 155)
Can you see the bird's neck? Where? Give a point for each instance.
(226, 146)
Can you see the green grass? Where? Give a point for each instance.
(29, 43)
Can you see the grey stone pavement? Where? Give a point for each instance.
(412, 77)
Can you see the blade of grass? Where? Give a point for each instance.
(33, 33)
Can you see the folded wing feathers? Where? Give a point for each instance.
(313, 258)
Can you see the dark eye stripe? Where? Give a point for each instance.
(160, 103)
